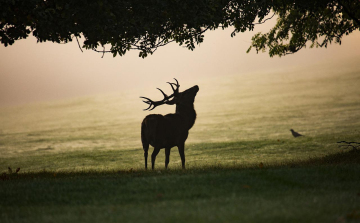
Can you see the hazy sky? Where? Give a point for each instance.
(32, 72)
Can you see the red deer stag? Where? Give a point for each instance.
(172, 129)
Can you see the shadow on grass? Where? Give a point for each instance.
(323, 189)
(341, 158)
(345, 157)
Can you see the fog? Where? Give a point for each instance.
(34, 72)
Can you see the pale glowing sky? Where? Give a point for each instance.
(33, 72)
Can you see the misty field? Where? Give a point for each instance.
(81, 159)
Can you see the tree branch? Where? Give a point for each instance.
(353, 145)
(259, 23)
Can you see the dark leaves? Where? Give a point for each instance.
(319, 23)
(146, 25)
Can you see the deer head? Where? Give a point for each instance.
(179, 98)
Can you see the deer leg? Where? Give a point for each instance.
(153, 157)
(167, 157)
(146, 156)
(182, 154)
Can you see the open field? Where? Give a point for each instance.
(81, 160)
(317, 102)
(319, 190)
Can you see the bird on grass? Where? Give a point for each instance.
(295, 134)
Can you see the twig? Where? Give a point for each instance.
(145, 43)
(78, 44)
(258, 23)
(353, 145)
(103, 52)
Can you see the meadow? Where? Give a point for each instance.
(81, 159)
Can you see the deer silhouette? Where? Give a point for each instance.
(167, 131)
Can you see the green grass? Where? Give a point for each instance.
(318, 190)
(243, 153)
(81, 160)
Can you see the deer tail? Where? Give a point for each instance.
(144, 139)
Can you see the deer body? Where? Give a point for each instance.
(163, 131)
(169, 130)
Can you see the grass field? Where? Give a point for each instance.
(81, 159)
(318, 190)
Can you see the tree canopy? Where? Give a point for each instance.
(146, 25)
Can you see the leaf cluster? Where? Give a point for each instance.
(300, 22)
(143, 25)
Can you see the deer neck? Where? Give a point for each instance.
(187, 113)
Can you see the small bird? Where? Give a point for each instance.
(295, 134)
(17, 170)
(10, 170)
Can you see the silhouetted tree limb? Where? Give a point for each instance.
(146, 25)
(77, 40)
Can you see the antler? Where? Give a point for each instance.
(166, 98)
(156, 103)
(176, 91)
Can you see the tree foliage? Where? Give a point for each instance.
(316, 22)
(145, 25)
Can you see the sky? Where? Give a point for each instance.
(36, 72)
